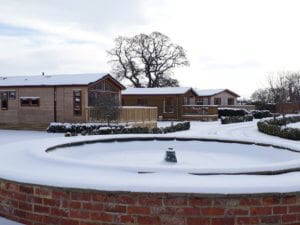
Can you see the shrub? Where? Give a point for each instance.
(78, 127)
(94, 129)
(259, 114)
(236, 119)
(228, 112)
(276, 127)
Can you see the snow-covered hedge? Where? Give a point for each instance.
(276, 127)
(228, 112)
(236, 119)
(78, 127)
(259, 114)
(94, 129)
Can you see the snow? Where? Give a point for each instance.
(193, 156)
(50, 80)
(156, 91)
(115, 173)
(294, 125)
(208, 92)
(25, 98)
(4, 221)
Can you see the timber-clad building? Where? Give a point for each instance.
(40, 100)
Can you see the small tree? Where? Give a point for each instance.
(147, 60)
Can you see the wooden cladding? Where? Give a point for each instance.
(77, 102)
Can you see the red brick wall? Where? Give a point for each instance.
(31, 204)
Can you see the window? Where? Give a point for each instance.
(142, 102)
(168, 105)
(12, 95)
(30, 101)
(217, 101)
(77, 108)
(230, 101)
(202, 101)
(189, 100)
(4, 100)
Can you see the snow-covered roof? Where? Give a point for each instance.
(156, 91)
(51, 80)
(211, 92)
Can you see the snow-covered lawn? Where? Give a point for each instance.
(12, 136)
(27, 149)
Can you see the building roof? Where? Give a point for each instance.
(212, 92)
(156, 91)
(51, 80)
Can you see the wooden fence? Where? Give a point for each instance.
(200, 112)
(124, 114)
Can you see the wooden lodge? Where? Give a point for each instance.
(174, 103)
(36, 101)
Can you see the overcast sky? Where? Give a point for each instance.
(230, 43)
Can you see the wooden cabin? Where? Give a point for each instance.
(219, 97)
(39, 100)
(173, 103)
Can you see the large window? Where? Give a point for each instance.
(230, 101)
(30, 101)
(4, 100)
(77, 103)
(217, 101)
(12, 95)
(168, 105)
(202, 101)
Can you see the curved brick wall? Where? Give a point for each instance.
(36, 205)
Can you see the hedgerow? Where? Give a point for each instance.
(276, 127)
(94, 129)
(236, 119)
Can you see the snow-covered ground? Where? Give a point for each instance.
(294, 125)
(36, 166)
(192, 156)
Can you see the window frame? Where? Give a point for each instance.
(77, 94)
(12, 97)
(172, 105)
(30, 102)
(217, 101)
(230, 99)
(5, 93)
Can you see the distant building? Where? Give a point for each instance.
(173, 103)
(219, 97)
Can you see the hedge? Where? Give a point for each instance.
(78, 127)
(236, 119)
(275, 127)
(228, 112)
(74, 129)
(259, 114)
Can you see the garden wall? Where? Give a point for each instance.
(37, 205)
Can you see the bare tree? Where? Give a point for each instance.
(147, 60)
(282, 87)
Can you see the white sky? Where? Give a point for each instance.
(231, 44)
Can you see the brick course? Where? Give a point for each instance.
(37, 205)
